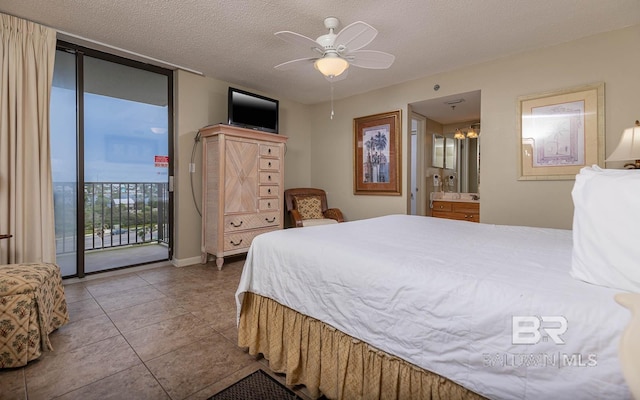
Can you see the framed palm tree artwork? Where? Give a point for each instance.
(378, 154)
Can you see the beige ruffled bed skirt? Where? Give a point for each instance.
(332, 363)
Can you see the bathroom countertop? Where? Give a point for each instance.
(455, 197)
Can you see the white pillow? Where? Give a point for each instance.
(606, 222)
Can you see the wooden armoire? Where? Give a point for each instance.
(242, 188)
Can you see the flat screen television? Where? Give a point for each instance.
(249, 110)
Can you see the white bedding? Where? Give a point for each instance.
(441, 294)
(605, 222)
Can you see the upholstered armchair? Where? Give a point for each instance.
(308, 207)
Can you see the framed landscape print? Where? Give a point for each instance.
(378, 154)
(560, 132)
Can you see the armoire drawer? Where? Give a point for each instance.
(268, 191)
(269, 164)
(269, 177)
(242, 240)
(241, 222)
(268, 204)
(267, 150)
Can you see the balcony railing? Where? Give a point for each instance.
(115, 214)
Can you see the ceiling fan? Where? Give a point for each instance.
(336, 52)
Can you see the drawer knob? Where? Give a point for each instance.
(269, 191)
(269, 205)
(236, 244)
(269, 163)
(269, 177)
(270, 221)
(236, 226)
(269, 151)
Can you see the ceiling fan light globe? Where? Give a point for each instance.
(331, 66)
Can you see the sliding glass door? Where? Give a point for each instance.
(111, 149)
(64, 151)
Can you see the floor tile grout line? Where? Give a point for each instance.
(101, 379)
(145, 326)
(213, 329)
(176, 349)
(121, 334)
(72, 350)
(133, 305)
(135, 352)
(24, 377)
(221, 281)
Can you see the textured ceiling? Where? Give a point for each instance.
(234, 40)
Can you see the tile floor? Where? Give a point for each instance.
(159, 333)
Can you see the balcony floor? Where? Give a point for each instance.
(114, 257)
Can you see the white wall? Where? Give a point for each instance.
(610, 57)
(202, 101)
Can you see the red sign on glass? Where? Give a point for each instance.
(162, 161)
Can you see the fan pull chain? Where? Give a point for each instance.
(331, 100)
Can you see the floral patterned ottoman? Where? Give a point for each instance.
(32, 305)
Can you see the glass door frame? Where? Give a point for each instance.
(80, 52)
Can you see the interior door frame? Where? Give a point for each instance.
(420, 171)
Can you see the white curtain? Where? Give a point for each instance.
(27, 55)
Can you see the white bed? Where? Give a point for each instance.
(440, 294)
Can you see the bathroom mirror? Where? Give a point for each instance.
(469, 171)
(444, 152)
(463, 156)
(450, 153)
(438, 151)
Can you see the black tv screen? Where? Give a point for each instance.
(249, 110)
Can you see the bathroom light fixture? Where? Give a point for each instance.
(471, 132)
(458, 135)
(628, 148)
(331, 65)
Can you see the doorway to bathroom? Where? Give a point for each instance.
(444, 148)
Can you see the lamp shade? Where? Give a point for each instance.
(629, 146)
(331, 65)
(458, 135)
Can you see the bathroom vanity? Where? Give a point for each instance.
(460, 206)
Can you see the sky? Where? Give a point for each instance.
(122, 139)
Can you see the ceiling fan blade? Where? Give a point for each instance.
(370, 59)
(355, 36)
(339, 77)
(300, 40)
(295, 63)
